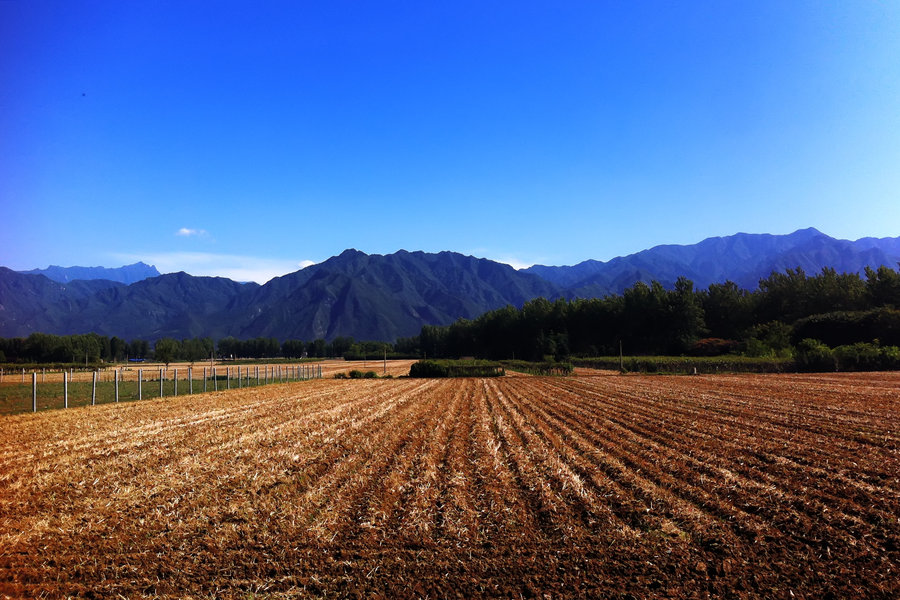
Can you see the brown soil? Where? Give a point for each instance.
(745, 486)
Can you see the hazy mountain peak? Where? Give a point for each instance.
(744, 258)
(127, 274)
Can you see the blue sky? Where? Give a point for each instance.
(248, 139)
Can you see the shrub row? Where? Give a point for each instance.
(539, 368)
(456, 368)
(689, 364)
(356, 374)
(814, 355)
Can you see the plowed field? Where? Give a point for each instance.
(592, 486)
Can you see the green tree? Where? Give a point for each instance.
(118, 348)
(166, 350)
(727, 310)
(883, 287)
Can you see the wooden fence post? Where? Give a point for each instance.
(65, 390)
(190, 380)
(94, 389)
(215, 380)
(160, 383)
(175, 380)
(257, 374)
(227, 378)
(34, 393)
(116, 375)
(205, 378)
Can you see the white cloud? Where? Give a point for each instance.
(515, 264)
(501, 258)
(188, 232)
(235, 267)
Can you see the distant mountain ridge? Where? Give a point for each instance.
(128, 274)
(353, 294)
(382, 297)
(743, 258)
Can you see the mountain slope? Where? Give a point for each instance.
(34, 303)
(382, 296)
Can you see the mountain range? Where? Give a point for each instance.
(127, 274)
(382, 297)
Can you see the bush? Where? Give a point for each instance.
(539, 368)
(688, 364)
(356, 374)
(428, 368)
(867, 357)
(813, 355)
(456, 368)
(769, 340)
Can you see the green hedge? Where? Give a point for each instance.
(456, 368)
(539, 368)
(688, 364)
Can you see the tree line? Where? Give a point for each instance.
(92, 349)
(834, 309)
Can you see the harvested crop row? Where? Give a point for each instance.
(745, 486)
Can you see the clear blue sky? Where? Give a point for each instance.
(244, 139)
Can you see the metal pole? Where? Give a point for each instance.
(65, 390)
(34, 392)
(190, 380)
(205, 378)
(117, 384)
(94, 389)
(175, 380)
(140, 373)
(160, 383)
(215, 380)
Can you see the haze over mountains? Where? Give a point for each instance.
(127, 274)
(382, 297)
